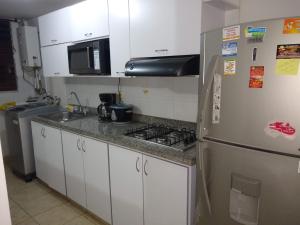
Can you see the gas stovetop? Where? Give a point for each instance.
(177, 139)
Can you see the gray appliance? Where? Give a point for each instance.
(19, 136)
(249, 147)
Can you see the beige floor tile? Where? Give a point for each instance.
(28, 194)
(76, 208)
(17, 214)
(93, 220)
(57, 216)
(80, 221)
(41, 204)
(28, 222)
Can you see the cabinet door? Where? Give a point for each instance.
(97, 178)
(55, 163)
(89, 19)
(55, 27)
(126, 186)
(161, 28)
(55, 60)
(40, 156)
(74, 167)
(119, 36)
(165, 192)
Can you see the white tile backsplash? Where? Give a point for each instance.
(167, 97)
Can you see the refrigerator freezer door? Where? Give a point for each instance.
(249, 187)
(265, 118)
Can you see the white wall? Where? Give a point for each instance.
(174, 98)
(24, 89)
(252, 10)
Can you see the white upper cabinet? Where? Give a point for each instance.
(55, 27)
(162, 28)
(119, 36)
(55, 60)
(89, 20)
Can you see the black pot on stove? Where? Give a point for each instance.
(121, 113)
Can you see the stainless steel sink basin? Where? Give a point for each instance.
(64, 116)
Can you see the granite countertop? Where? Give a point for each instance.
(113, 134)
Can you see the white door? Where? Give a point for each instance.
(97, 178)
(168, 27)
(55, 163)
(74, 167)
(40, 156)
(55, 60)
(119, 36)
(54, 27)
(126, 186)
(89, 19)
(165, 192)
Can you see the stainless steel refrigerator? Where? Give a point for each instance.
(249, 125)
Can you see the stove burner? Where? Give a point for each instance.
(179, 139)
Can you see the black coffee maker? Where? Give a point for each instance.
(104, 110)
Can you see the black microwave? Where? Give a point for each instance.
(90, 58)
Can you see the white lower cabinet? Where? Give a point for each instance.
(74, 168)
(146, 190)
(87, 173)
(48, 156)
(126, 186)
(165, 192)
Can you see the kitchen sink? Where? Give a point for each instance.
(64, 116)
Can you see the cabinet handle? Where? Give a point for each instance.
(56, 73)
(78, 144)
(88, 56)
(88, 34)
(43, 132)
(145, 167)
(161, 50)
(136, 164)
(83, 146)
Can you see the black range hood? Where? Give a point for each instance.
(169, 66)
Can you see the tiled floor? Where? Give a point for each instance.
(34, 203)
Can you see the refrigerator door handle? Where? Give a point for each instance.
(203, 177)
(212, 69)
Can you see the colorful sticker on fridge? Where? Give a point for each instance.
(229, 48)
(255, 33)
(280, 128)
(290, 51)
(291, 26)
(256, 76)
(216, 99)
(287, 67)
(229, 67)
(231, 33)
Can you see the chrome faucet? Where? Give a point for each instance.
(76, 96)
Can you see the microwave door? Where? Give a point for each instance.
(81, 60)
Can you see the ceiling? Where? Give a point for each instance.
(10, 9)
